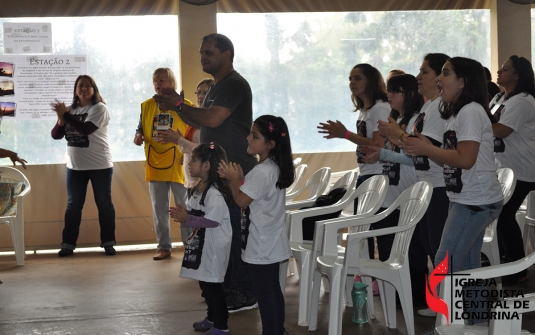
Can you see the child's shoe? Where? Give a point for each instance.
(203, 325)
(216, 331)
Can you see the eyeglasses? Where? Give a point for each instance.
(201, 92)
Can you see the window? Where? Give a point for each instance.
(122, 53)
(298, 63)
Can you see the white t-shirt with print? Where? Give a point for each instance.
(433, 127)
(478, 185)
(518, 113)
(91, 152)
(207, 251)
(267, 242)
(407, 174)
(366, 125)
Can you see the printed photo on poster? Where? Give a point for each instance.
(7, 69)
(7, 87)
(8, 109)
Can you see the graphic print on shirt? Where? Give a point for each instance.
(74, 138)
(245, 222)
(496, 110)
(420, 162)
(391, 169)
(362, 131)
(194, 245)
(452, 175)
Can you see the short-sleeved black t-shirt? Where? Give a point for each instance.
(232, 92)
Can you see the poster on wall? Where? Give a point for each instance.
(27, 38)
(28, 84)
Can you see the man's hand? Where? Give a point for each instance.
(16, 158)
(169, 98)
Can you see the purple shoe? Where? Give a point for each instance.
(203, 325)
(215, 331)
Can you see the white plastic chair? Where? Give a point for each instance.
(297, 161)
(413, 203)
(528, 234)
(16, 222)
(315, 186)
(371, 195)
(490, 247)
(299, 173)
(496, 327)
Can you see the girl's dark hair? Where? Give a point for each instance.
(214, 154)
(375, 90)
(474, 90)
(274, 128)
(526, 80)
(412, 100)
(95, 99)
(436, 61)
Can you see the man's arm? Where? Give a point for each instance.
(211, 117)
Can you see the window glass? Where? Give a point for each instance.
(122, 52)
(298, 64)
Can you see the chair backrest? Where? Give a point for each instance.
(297, 161)
(412, 203)
(507, 179)
(316, 184)
(346, 181)
(371, 195)
(299, 173)
(12, 173)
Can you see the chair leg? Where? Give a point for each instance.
(405, 297)
(17, 237)
(304, 287)
(336, 303)
(370, 304)
(314, 301)
(388, 300)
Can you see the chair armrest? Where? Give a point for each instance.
(299, 203)
(502, 269)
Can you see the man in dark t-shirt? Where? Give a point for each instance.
(225, 117)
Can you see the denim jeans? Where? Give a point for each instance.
(236, 277)
(462, 238)
(77, 181)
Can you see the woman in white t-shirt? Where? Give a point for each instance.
(368, 93)
(514, 147)
(469, 170)
(84, 125)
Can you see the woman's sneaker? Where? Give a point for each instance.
(237, 301)
(203, 325)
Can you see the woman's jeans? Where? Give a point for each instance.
(462, 238)
(77, 182)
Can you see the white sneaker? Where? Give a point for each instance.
(427, 312)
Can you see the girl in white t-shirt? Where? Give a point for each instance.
(263, 190)
(368, 93)
(469, 170)
(207, 248)
(405, 102)
(514, 147)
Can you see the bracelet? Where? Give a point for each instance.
(180, 102)
(347, 135)
(401, 136)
